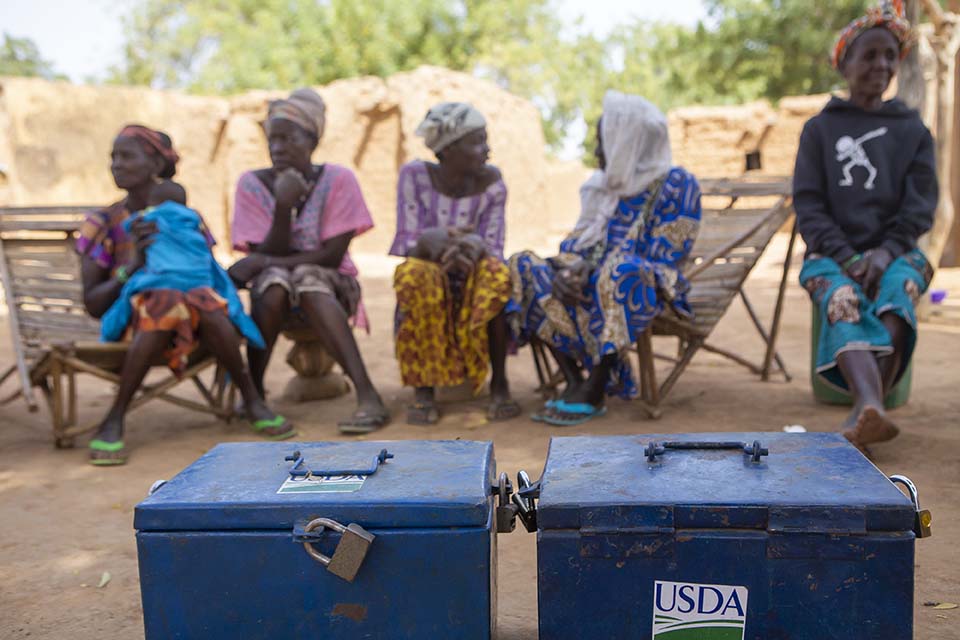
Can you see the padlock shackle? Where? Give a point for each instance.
(321, 523)
(911, 488)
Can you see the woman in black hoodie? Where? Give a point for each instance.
(865, 189)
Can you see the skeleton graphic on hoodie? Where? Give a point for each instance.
(855, 155)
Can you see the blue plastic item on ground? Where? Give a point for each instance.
(801, 538)
(231, 547)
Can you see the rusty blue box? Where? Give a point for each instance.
(224, 547)
(664, 537)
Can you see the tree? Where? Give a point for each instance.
(235, 45)
(21, 57)
(743, 50)
(749, 49)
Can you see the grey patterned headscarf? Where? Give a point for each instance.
(447, 122)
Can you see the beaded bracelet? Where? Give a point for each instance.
(852, 260)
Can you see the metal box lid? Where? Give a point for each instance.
(425, 484)
(809, 482)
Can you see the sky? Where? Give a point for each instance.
(82, 38)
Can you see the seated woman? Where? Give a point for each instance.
(165, 321)
(619, 268)
(296, 220)
(865, 189)
(453, 286)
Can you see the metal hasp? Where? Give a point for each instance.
(755, 450)
(350, 553)
(923, 519)
(300, 470)
(525, 500)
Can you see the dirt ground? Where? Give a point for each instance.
(64, 523)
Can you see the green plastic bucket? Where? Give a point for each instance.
(823, 392)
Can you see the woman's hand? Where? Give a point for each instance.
(463, 253)
(141, 235)
(289, 187)
(876, 262)
(432, 244)
(246, 269)
(570, 281)
(857, 270)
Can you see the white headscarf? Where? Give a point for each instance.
(447, 122)
(636, 144)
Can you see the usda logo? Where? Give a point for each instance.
(683, 611)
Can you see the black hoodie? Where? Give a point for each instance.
(864, 179)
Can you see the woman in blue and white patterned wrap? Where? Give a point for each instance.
(619, 268)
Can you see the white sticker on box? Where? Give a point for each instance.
(322, 484)
(702, 611)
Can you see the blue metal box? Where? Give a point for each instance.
(810, 542)
(227, 549)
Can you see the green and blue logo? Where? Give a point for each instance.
(685, 611)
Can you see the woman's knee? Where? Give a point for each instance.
(273, 301)
(417, 273)
(322, 302)
(897, 326)
(214, 320)
(150, 345)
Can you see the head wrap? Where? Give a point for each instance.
(304, 108)
(636, 146)
(447, 122)
(155, 143)
(889, 15)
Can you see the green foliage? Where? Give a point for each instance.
(20, 57)
(234, 45)
(744, 50)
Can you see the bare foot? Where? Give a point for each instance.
(873, 425)
(852, 438)
(852, 417)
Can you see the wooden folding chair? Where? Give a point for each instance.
(729, 245)
(54, 338)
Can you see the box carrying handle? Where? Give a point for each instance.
(755, 450)
(300, 469)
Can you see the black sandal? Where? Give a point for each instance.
(423, 414)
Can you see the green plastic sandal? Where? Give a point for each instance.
(260, 426)
(107, 454)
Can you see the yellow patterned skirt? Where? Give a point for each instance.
(441, 330)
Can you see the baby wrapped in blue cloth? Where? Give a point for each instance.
(179, 258)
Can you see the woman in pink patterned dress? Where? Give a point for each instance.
(296, 220)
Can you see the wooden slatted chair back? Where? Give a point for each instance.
(41, 278)
(729, 244)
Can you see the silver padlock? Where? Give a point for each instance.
(354, 544)
(922, 518)
(506, 510)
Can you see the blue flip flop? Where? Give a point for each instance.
(570, 414)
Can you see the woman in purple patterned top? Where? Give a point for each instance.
(420, 206)
(453, 287)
